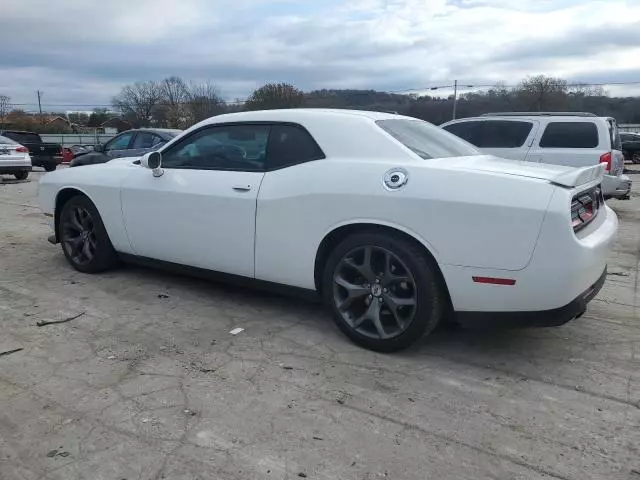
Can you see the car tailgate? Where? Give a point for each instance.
(44, 149)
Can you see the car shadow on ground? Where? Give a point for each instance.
(12, 181)
(449, 340)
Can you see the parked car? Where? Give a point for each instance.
(73, 151)
(14, 159)
(45, 155)
(631, 146)
(575, 139)
(132, 143)
(393, 221)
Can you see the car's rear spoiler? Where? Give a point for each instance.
(580, 176)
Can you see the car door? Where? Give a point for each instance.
(507, 138)
(118, 146)
(502, 138)
(574, 143)
(201, 211)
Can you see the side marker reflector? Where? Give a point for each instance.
(494, 281)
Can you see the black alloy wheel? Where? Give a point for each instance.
(384, 290)
(84, 239)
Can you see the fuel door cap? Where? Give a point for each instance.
(396, 178)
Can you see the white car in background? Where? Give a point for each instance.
(572, 138)
(14, 159)
(393, 221)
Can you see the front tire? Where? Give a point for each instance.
(21, 175)
(384, 291)
(83, 237)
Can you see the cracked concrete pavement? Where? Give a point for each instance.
(149, 384)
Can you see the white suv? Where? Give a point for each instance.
(574, 139)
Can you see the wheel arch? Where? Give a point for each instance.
(339, 233)
(62, 197)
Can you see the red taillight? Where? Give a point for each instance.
(22, 149)
(606, 158)
(584, 208)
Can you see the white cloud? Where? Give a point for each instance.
(77, 53)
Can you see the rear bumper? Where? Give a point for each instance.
(11, 169)
(542, 318)
(623, 188)
(39, 161)
(609, 185)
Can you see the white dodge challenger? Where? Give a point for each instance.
(394, 222)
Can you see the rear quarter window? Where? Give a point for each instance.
(426, 140)
(570, 135)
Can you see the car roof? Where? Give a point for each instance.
(297, 115)
(163, 132)
(515, 118)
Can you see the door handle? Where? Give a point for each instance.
(242, 188)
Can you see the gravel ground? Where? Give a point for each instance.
(148, 383)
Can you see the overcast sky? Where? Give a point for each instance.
(80, 51)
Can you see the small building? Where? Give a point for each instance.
(116, 123)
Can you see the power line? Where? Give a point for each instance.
(406, 91)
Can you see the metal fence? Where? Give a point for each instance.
(629, 127)
(68, 139)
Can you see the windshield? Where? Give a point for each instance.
(426, 140)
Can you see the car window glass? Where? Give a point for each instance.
(119, 143)
(23, 137)
(291, 144)
(469, 131)
(7, 141)
(225, 147)
(146, 140)
(503, 134)
(570, 135)
(425, 139)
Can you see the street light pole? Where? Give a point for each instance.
(455, 98)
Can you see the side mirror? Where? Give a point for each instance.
(98, 147)
(153, 161)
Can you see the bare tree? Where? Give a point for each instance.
(175, 93)
(275, 95)
(139, 101)
(203, 101)
(543, 93)
(5, 107)
(587, 90)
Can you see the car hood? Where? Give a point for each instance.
(557, 174)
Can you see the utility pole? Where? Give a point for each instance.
(40, 105)
(455, 98)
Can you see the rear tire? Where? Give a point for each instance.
(49, 167)
(21, 175)
(83, 237)
(386, 299)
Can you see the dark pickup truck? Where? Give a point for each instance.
(45, 155)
